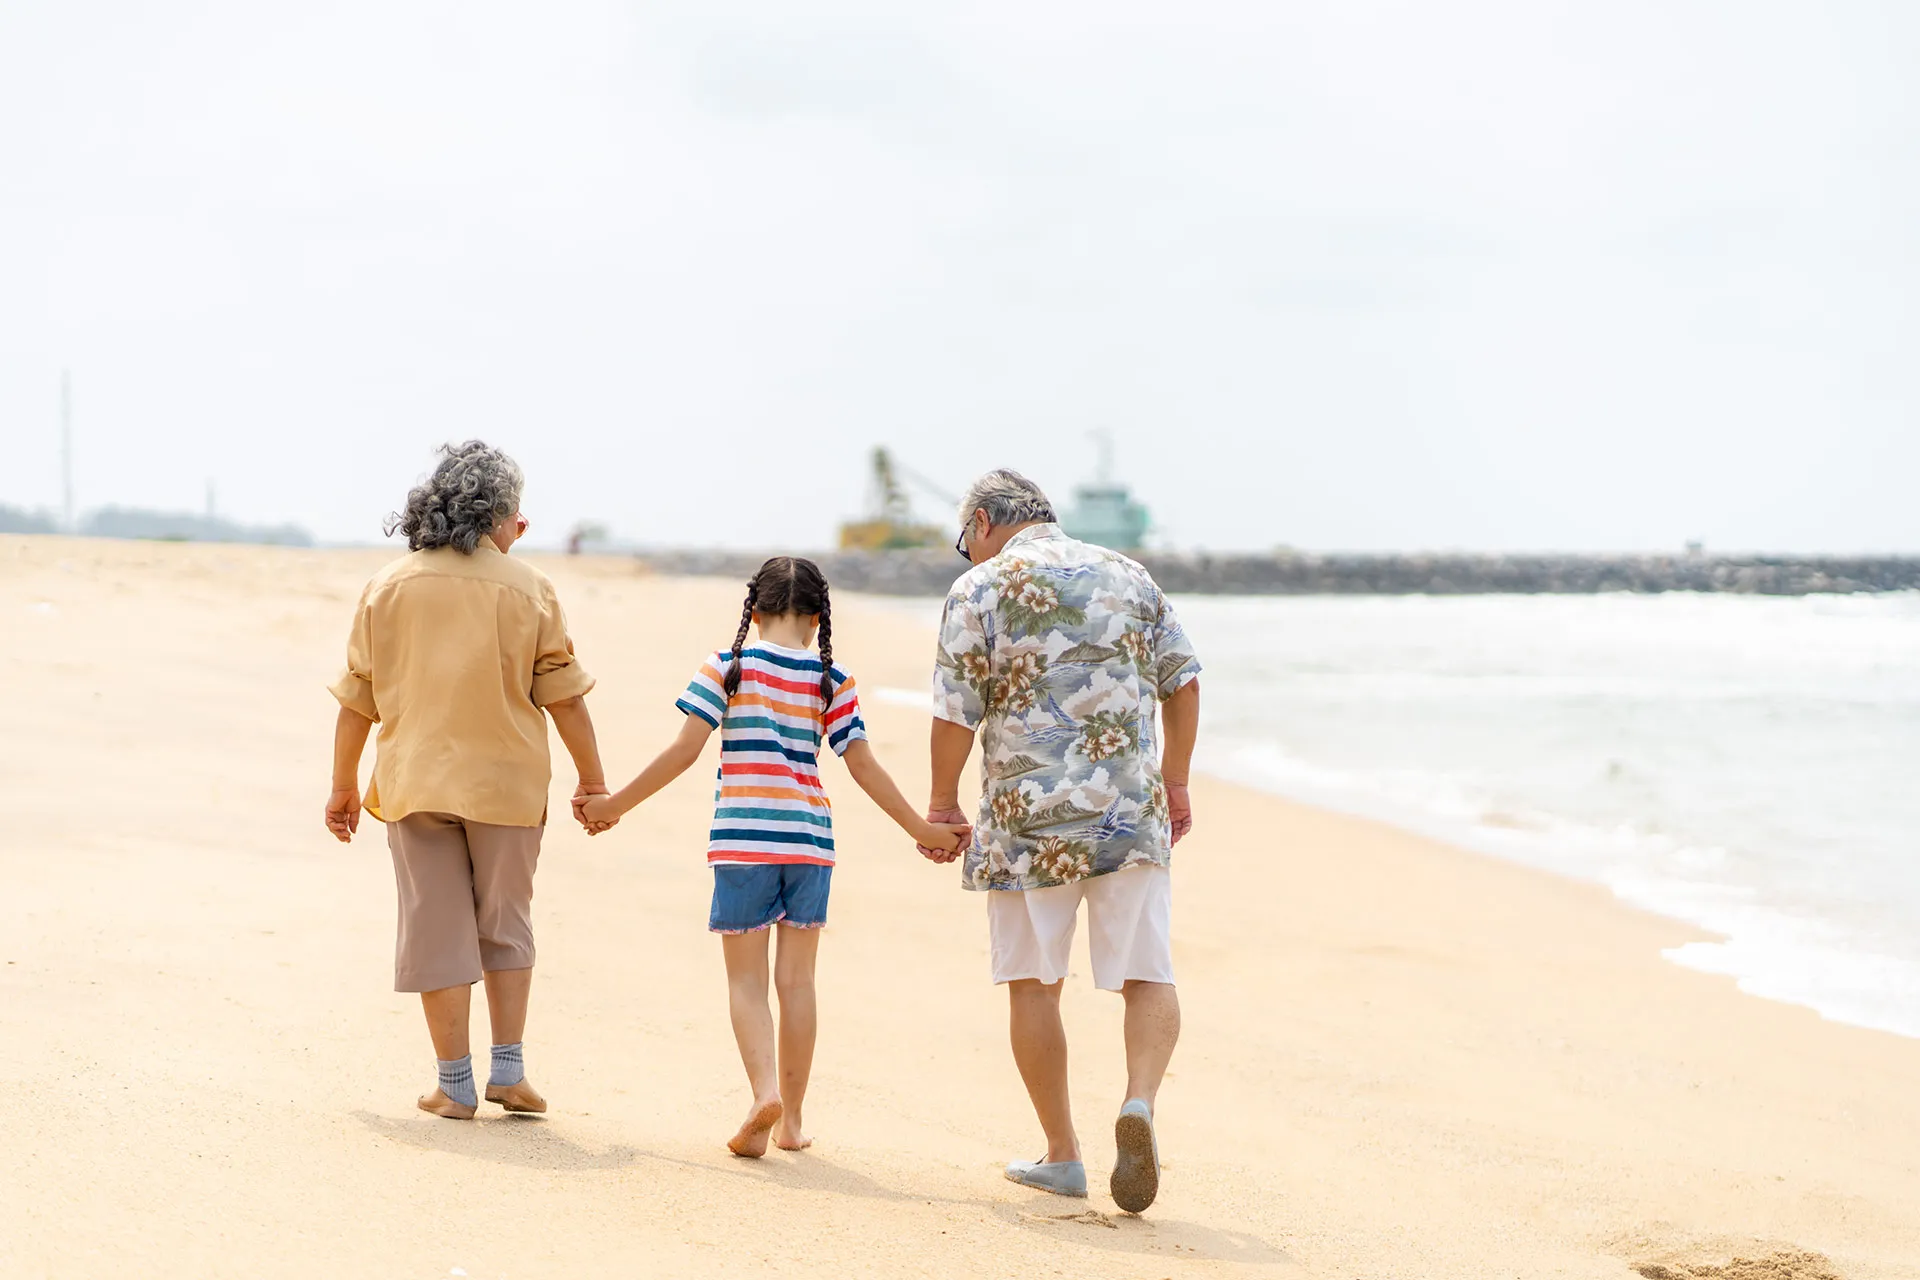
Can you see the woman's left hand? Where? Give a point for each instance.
(597, 813)
(343, 813)
(586, 793)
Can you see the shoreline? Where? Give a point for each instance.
(1400, 1057)
(1751, 961)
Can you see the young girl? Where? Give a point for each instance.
(771, 847)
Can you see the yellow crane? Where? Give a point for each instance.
(890, 524)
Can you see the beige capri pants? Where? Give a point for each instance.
(466, 899)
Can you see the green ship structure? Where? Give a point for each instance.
(1105, 512)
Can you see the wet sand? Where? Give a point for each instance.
(1400, 1059)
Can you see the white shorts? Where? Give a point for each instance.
(1129, 928)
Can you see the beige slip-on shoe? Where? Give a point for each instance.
(439, 1104)
(522, 1097)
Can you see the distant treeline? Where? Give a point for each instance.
(159, 526)
(14, 520)
(931, 573)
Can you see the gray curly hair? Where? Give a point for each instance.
(1008, 498)
(474, 488)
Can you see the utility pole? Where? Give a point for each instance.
(66, 448)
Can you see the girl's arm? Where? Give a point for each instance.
(878, 784)
(679, 756)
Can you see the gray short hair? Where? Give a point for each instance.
(474, 488)
(1008, 498)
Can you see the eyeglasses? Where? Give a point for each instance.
(960, 543)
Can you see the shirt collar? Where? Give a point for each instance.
(1038, 533)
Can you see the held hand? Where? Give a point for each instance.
(952, 822)
(343, 813)
(596, 813)
(1179, 810)
(948, 838)
(584, 793)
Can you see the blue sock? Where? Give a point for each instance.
(456, 1081)
(509, 1064)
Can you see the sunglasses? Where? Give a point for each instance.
(960, 543)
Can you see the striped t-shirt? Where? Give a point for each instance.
(769, 806)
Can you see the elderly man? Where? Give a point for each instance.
(1056, 653)
(460, 654)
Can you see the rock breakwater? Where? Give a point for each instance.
(931, 573)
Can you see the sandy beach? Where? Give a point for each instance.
(1399, 1060)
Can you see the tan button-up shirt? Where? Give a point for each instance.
(454, 656)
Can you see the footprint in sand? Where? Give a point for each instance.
(1779, 1265)
(1091, 1217)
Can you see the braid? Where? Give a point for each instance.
(732, 682)
(826, 649)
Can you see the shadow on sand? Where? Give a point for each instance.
(1151, 1235)
(507, 1139)
(528, 1141)
(1078, 1221)
(811, 1171)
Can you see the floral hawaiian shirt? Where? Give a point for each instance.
(1057, 652)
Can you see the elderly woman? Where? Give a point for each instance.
(457, 650)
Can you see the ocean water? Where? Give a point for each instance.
(1744, 764)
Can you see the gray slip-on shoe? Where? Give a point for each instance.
(1136, 1169)
(1063, 1177)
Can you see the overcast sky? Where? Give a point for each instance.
(1351, 274)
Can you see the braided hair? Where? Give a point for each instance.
(732, 682)
(787, 584)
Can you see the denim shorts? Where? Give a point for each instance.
(746, 898)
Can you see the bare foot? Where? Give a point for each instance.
(441, 1105)
(751, 1141)
(787, 1136)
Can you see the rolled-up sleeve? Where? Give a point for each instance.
(354, 688)
(1175, 665)
(557, 673)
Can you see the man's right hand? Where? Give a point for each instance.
(947, 818)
